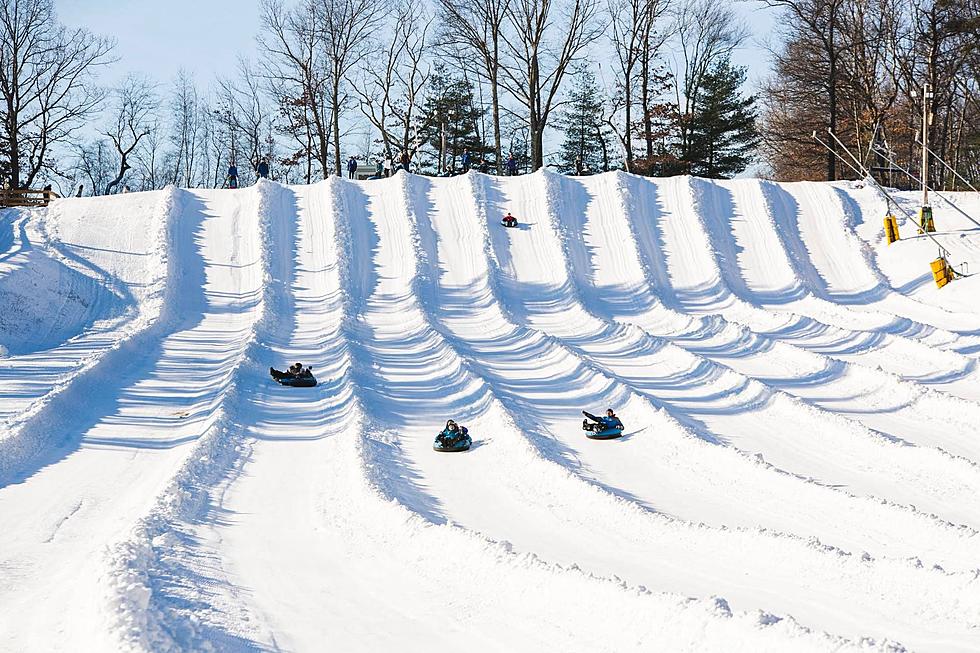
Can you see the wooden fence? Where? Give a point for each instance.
(26, 197)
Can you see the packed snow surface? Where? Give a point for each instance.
(800, 469)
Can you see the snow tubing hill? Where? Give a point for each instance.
(801, 473)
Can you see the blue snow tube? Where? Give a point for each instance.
(461, 443)
(299, 382)
(604, 434)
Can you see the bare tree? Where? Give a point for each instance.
(476, 26)
(390, 94)
(244, 114)
(708, 33)
(134, 119)
(185, 117)
(538, 58)
(45, 75)
(297, 73)
(347, 27)
(637, 41)
(95, 163)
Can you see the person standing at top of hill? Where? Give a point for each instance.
(351, 167)
(405, 159)
(512, 165)
(263, 168)
(232, 175)
(466, 161)
(387, 166)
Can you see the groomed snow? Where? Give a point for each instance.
(800, 468)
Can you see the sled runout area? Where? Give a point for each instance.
(798, 470)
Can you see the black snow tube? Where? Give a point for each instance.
(510, 224)
(461, 444)
(300, 382)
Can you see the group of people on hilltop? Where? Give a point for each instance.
(262, 170)
(385, 167)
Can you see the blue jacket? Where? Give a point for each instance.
(453, 436)
(263, 169)
(352, 164)
(609, 423)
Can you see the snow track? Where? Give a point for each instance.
(799, 470)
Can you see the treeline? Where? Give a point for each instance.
(858, 67)
(584, 85)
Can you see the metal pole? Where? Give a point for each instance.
(948, 201)
(442, 150)
(951, 169)
(943, 252)
(926, 96)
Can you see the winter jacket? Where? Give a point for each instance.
(610, 423)
(263, 170)
(450, 438)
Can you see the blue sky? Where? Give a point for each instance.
(205, 37)
(159, 38)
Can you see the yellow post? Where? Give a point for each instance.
(891, 229)
(941, 272)
(925, 220)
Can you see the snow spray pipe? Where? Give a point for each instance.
(935, 192)
(947, 166)
(943, 252)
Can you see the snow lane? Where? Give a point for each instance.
(117, 282)
(134, 429)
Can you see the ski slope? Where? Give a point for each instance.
(799, 470)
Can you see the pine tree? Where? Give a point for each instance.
(723, 129)
(449, 102)
(587, 137)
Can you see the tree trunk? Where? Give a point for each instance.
(495, 101)
(336, 126)
(832, 97)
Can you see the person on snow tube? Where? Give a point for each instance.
(607, 423)
(509, 220)
(292, 373)
(453, 436)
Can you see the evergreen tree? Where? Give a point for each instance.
(449, 104)
(587, 136)
(722, 127)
